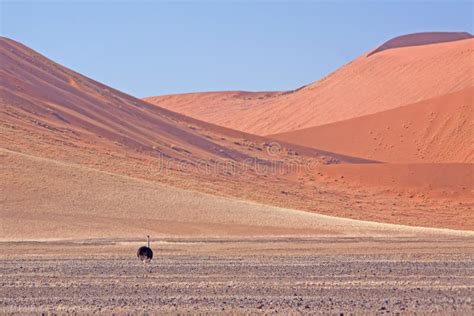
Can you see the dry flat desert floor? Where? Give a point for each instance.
(241, 276)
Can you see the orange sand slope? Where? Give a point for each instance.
(413, 180)
(369, 84)
(434, 130)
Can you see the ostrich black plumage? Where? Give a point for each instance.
(144, 253)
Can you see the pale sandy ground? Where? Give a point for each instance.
(43, 199)
(220, 276)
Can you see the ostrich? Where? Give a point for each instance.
(144, 253)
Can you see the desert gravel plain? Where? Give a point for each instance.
(241, 276)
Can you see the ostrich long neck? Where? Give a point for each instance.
(148, 241)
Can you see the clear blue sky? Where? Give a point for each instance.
(152, 48)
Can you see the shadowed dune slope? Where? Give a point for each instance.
(417, 39)
(39, 95)
(369, 84)
(51, 96)
(435, 130)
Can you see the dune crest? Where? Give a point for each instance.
(424, 38)
(386, 80)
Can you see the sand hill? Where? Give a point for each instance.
(87, 155)
(416, 67)
(435, 130)
(54, 205)
(45, 99)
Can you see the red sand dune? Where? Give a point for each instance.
(48, 111)
(369, 84)
(435, 130)
(58, 101)
(36, 89)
